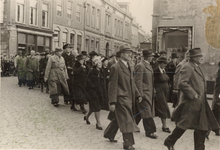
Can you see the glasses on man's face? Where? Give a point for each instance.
(128, 52)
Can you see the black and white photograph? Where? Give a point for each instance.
(110, 74)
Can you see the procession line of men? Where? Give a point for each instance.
(135, 91)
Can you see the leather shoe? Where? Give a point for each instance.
(166, 130)
(99, 128)
(87, 121)
(129, 148)
(169, 146)
(113, 140)
(152, 135)
(73, 108)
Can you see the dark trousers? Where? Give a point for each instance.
(128, 139)
(111, 130)
(148, 123)
(54, 98)
(69, 97)
(199, 138)
(30, 83)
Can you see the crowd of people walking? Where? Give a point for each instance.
(131, 86)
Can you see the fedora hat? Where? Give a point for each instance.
(147, 53)
(174, 55)
(162, 59)
(162, 52)
(80, 57)
(67, 46)
(195, 52)
(58, 49)
(84, 53)
(124, 48)
(93, 53)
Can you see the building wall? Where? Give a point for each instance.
(200, 15)
(134, 36)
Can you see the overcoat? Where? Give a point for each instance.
(121, 91)
(20, 66)
(32, 67)
(79, 84)
(42, 68)
(70, 62)
(191, 112)
(56, 73)
(95, 94)
(216, 97)
(176, 75)
(162, 93)
(144, 79)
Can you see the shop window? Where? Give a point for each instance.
(45, 13)
(97, 46)
(78, 14)
(20, 11)
(87, 45)
(33, 12)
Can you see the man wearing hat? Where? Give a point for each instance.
(57, 76)
(42, 68)
(69, 61)
(163, 53)
(32, 66)
(171, 67)
(193, 111)
(144, 81)
(122, 92)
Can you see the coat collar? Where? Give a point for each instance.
(148, 66)
(198, 69)
(124, 68)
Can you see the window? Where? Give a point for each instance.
(88, 14)
(126, 30)
(20, 11)
(56, 38)
(33, 12)
(45, 13)
(69, 10)
(72, 38)
(59, 8)
(121, 33)
(97, 46)
(92, 45)
(78, 14)
(79, 43)
(93, 17)
(115, 26)
(118, 29)
(64, 38)
(107, 22)
(87, 45)
(98, 18)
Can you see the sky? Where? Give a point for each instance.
(142, 10)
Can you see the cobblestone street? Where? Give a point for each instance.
(29, 121)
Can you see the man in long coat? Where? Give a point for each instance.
(122, 96)
(144, 79)
(69, 61)
(56, 74)
(32, 67)
(193, 111)
(20, 67)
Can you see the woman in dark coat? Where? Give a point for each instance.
(105, 71)
(79, 83)
(216, 99)
(95, 93)
(161, 80)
